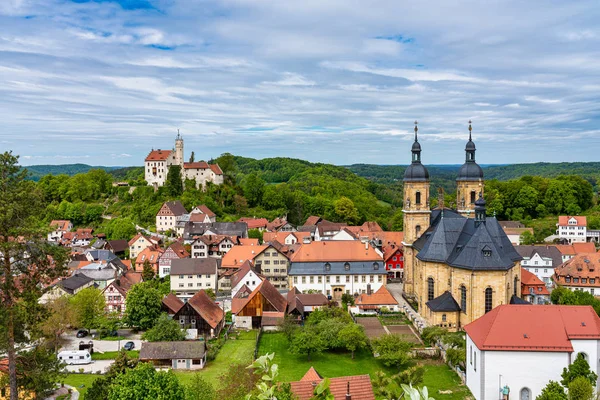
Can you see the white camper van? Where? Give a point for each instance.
(75, 357)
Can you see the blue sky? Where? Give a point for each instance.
(339, 81)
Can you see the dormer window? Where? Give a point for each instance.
(487, 252)
(327, 267)
(347, 266)
(375, 265)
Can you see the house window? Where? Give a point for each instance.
(199, 284)
(364, 279)
(327, 279)
(312, 279)
(568, 279)
(475, 361)
(463, 298)
(303, 279)
(376, 266)
(471, 355)
(319, 279)
(430, 289)
(488, 300)
(337, 279)
(583, 280)
(372, 278)
(295, 279)
(267, 262)
(181, 285)
(347, 278)
(190, 285)
(487, 252)
(592, 280)
(327, 267)
(355, 278)
(443, 317)
(394, 258)
(380, 279)
(418, 230)
(525, 394)
(575, 280)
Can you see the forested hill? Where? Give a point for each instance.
(37, 171)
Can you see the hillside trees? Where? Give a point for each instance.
(174, 184)
(143, 305)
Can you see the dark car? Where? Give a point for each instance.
(129, 346)
(82, 333)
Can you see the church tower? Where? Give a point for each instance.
(179, 150)
(416, 211)
(469, 182)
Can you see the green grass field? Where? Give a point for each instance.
(76, 380)
(438, 377)
(111, 355)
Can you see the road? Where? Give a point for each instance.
(396, 291)
(147, 232)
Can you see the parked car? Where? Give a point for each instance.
(106, 333)
(82, 333)
(129, 346)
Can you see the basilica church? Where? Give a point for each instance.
(459, 264)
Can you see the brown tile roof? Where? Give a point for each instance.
(272, 318)
(390, 251)
(205, 210)
(517, 231)
(158, 155)
(254, 223)
(61, 225)
(269, 292)
(216, 169)
(236, 256)
(380, 297)
(212, 240)
(195, 165)
(346, 250)
(248, 241)
(296, 300)
(576, 248)
(312, 220)
(136, 237)
(172, 303)
(207, 309)
(359, 385)
(176, 207)
(563, 220)
(179, 249)
(118, 246)
(584, 265)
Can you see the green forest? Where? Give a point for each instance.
(295, 188)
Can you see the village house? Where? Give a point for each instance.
(200, 317)
(523, 347)
(255, 223)
(580, 273)
(287, 238)
(192, 230)
(190, 275)
(188, 355)
(337, 267)
(203, 214)
(175, 251)
(572, 229)
(215, 246)
(249, 308)
(356, 387)
(540, 260)
(393, 257)
(66, 287)
(533, 289)
(139, 242)
(240, 254)
(118, 247)
(280, 225)
(373, 302)
(59, 228)
(301, 304)
(273, 264)
(169, 214)
(149, 255)
(171, 304)
(514, 230)
(569, 251)
(82, 237)
(247, 276)
(116, 292)
(102, 273)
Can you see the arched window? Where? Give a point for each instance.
(472, 197)
(515, 287)
(443, 317)
(376, 265)
(418, 230)
(347, 266)
(463, 298)
(585, 356)
(418, 198)
(488, 300)
(525, 394)
(430, 289)
(327, 267)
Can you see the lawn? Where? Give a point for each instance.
(234, 351)
(76, 380)
(438, 377)
(111, 355)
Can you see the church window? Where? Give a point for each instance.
(443, 317)
(472, 197)
(430, 289)
(525, 394)
(488, 300)
(487, 252)
(463, 298)
(515, 287)
(418, 230)
(418, 198)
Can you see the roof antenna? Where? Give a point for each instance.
(416, 130)
(470, 129)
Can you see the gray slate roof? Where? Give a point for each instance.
(544, 251)
(337, 268)
(194, 266)
(192, 229)
(101, 255)
(176, 207)
(460, 242)
(517, 300)
(72, 283)
(445, 302)
(172, 350)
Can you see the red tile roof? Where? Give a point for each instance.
(205, 210)
(281, 236)
(236, 256)
(583, 265)
(207, 309)
(248, 242)
(547, 328)
(531, 281)
(391, 250)
(575, 248)
(360, 386)
(172, 303)
(216, 169)
(179, 249)
(563, 220)
(381, 297)
(195, 165)
(312, 220)
(61, 225)
(136, 237)
(254, 223)
(158, 155)
(350, 250)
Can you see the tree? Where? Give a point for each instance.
(166, 329)
(192, 157)
(147, 271)
(210, 293)
(329, 331)
(28, 260)
(353, 337)
(527, 238)
(579, 367)
(38, 370)
(61, 316)
(144, 382)
(255, 234)
(346, 211)
(200, 389)
(120, 229)
(89, 305)
(552, 391)
(307, 341)
(347, 298)
(174, 183)
(580, 388)
(392, 350)
(254, 187)
(411, 393)
(101, 386)
(143, 306)
(236, 383)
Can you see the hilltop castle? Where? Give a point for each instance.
(158, 162)
(459, 264)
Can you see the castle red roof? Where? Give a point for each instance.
(158, 155)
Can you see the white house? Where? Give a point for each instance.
(189, 275)
(203, 214)
(540, 260)
(245, 276)
(169, 215)
(59, 228)
(572, 229)
(523, 347)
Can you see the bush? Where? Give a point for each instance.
(432, 334)
(213, 349)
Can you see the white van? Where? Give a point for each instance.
(75, 357)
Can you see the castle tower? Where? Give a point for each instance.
(416, 211)
(469, 182)
(179, 150)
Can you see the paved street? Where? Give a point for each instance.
(94, 367)
(396, 291)
(71, 342)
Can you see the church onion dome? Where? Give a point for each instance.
(416, 172)
(470, 170)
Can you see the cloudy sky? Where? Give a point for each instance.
(341, 81)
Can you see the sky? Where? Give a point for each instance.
(103, 82)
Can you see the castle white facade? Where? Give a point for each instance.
(158, 162)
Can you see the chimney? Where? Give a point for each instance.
(306, 240)
(348, 396)
(367, 245)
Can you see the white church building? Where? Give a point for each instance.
(157, 163)
(517, 349)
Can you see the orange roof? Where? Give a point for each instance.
(531, 281)
(380, 297)
(312, 220)
(280, 236)
(547, 328)
(179, 249)
(248, 242)
(575, 248)
(254, 223)
(151, 253)
(584, 265)
(205, 210)
(358, 386)
(158, 155)
(236, 256)
(136, 237)
(391, 250)
(563, 220)
(195, 165)
(345, 250)
(216, 169)
(61, 225)
(268, 291)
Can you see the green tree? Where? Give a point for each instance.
(347, 298)
(144, 382)
(211, 293)
(579, 367)
(147, 271)
(89, 305)
(552, 391)
(580, 388)
(38, 370)
(307, 341)
(236, 383)
(174, 183)
(21, 204)
(346, 211)
(527, 199)
(254, 187)
(353, 337)
(255, 234)
(60, 317)
(192, 157)
(120, 229)
(143, 306)
(411, 393)
(392, 351)
(527, 238)
(398, 221)
(101, 386)
(166, 329)
(200, 389)
(329, 331)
